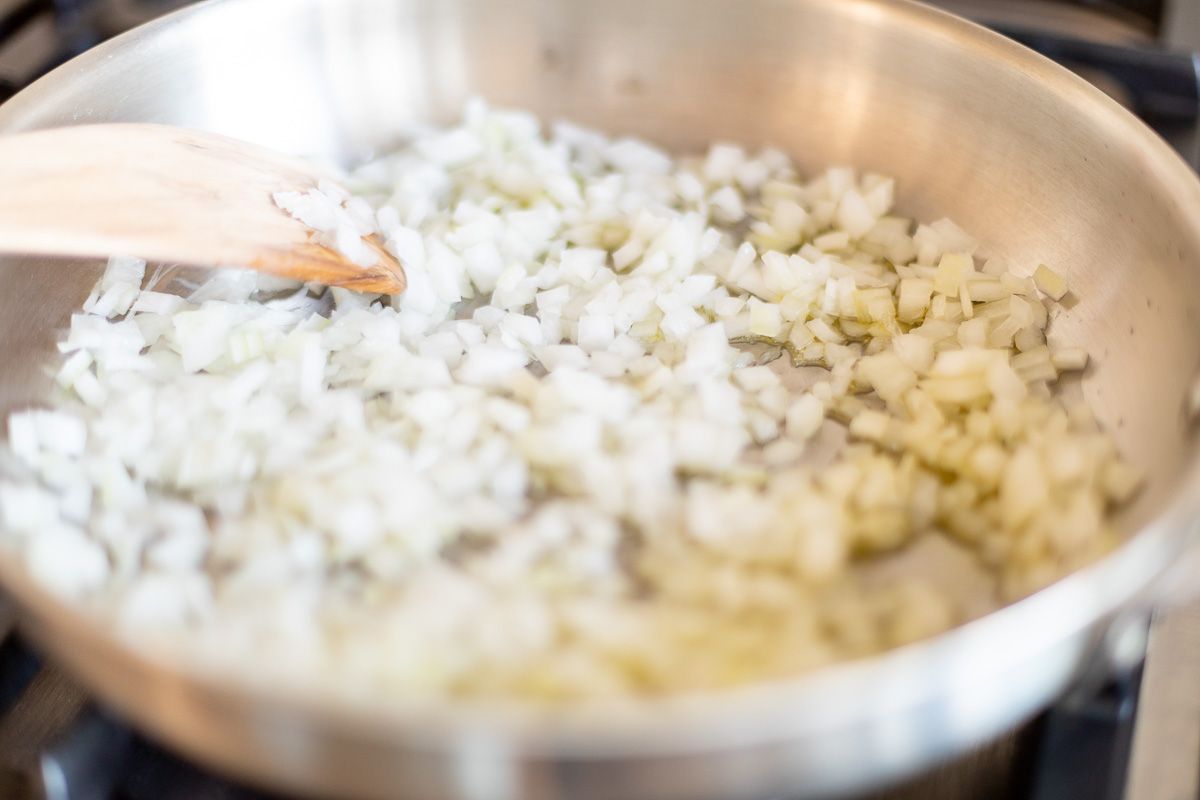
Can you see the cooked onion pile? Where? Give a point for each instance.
(560, 466)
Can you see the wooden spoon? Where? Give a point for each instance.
(169, 195)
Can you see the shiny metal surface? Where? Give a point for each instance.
(1165, 764)
(1064, 19)
(1034, 161)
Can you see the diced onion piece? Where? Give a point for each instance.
(913, 300)
(825, 332)
(1122, 481)
(1035, 365)
(1068, 359)
(765, 319)
(952, 272)
(1050, 283)
(870, 425)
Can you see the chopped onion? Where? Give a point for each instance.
(560, 460)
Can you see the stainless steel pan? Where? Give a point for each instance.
(1021, 153)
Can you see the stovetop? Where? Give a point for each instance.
(1135, 738)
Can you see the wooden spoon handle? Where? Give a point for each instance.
(169, 195)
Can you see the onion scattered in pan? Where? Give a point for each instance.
(569, 462)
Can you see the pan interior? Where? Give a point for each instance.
(1031, 172)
